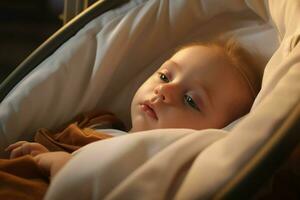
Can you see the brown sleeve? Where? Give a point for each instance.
(80, 132)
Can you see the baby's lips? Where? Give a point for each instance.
(149, 109)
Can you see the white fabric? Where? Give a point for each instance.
(136, 38)
(153, 157)
(112, 132)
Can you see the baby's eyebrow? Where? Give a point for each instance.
(175, 64)
(205, 94)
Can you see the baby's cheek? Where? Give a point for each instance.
(176, 119)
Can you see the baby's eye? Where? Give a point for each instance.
(189, 101)
(163, 77)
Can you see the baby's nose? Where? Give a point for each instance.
(164, 92)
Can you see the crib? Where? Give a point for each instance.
(98, 60)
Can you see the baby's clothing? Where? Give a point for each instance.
(85, 129)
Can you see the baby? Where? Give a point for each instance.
(203, 85)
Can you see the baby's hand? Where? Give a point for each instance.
(50, 163)
(24, 148)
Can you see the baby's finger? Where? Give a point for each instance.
(17, 152)
(15, 145)
(24, 149)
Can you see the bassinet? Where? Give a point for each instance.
(100, 58)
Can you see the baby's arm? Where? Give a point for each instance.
(25, 148)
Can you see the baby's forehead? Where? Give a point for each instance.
(210, 74)
(237, 58)
(212, 48)
(200, 56)
(209, 59)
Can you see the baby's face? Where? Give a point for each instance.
(196, 88)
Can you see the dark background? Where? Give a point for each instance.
(24, 25)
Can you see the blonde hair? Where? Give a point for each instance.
(239, 58)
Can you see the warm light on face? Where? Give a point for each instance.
(195, 89)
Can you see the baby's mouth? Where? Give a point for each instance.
(148, 109)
